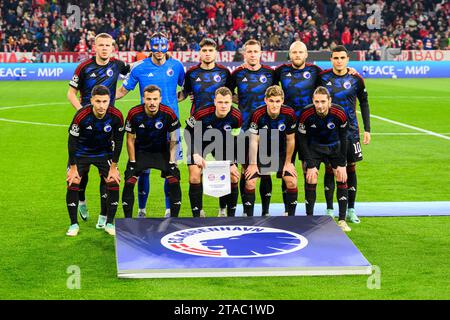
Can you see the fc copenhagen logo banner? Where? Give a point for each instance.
(234, 241)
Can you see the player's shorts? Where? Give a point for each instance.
(148, 160)
(103, 165)
(327, 155)
(354, 152)
(267, 169)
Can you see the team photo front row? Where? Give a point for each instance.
(268, 143)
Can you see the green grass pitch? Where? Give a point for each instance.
(401, 164)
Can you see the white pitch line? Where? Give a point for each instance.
(402, 133)
(35, 123)
(45, 104)
(431, 133)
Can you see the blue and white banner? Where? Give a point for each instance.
(368, 69)
(223, 247)
(37, 71)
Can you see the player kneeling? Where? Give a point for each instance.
(273, 123)
(148, 125)
(323, 138)
(221, 117)
(94, 129)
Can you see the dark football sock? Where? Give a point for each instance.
(342, 197)
(329, 186)
(223, 202)
(103, 195)
(175, 196)
(291, 201)
(128, 197)
(310, 198)
(352, 184)
(242, 190)
(112, 201)
(196, 198)
(232, 200)
(72, 197)
(249, 201)
(82, 187)
(265, 191)
(283, 192)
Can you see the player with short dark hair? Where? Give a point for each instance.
(345, 89)
(93, 131)
(267, 122)
(224, 117)
(167, 73)
(251, 81)
(148, 125)
(102, 69)
(323, 138)
(202, 81)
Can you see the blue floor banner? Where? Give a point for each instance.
(232, 247)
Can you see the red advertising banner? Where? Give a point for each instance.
(127, 56)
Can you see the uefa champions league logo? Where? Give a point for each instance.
(234, 241)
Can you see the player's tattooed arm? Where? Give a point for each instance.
(173, 146)
(121, 92)
(290, 146)
(72, 97)
(131, 138)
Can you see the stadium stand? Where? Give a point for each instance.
(43, 25)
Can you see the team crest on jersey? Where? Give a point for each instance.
(170, 72)
(281, 127)
(306, 75)
(235, 241)
(227, 127)
(331, 125)
(107, 128)
(217, 78)
(263, 79)
(158, 125)
(109, 72)
(347, 84)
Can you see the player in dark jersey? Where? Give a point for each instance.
(251, 82)
(273, 128)
(148, 126)
(323, 138)
(220, 116)
(345, 89)
(298, 80)
(201, 82)
(102, 69)
(91, 134)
